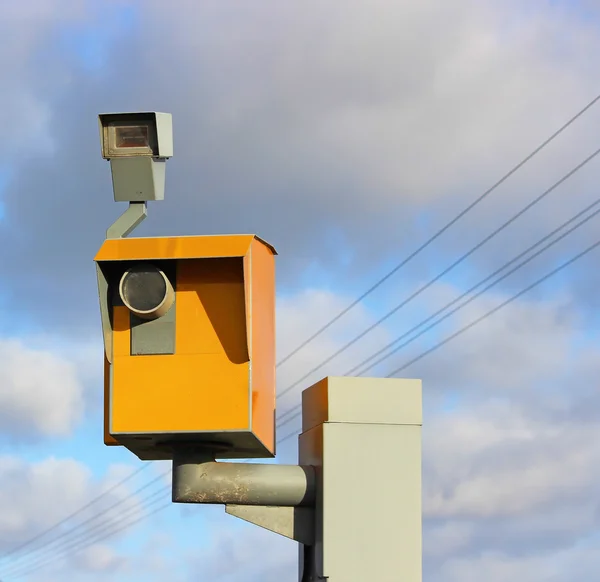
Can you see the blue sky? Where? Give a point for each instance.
(346, 135)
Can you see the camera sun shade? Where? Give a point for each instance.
(137, 146)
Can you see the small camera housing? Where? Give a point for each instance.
(137, 146)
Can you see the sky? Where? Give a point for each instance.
(346, 134)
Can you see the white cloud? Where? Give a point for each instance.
(300, 316)
(242, 552)
(576, 564)
(36, 496)
(98, 558)
(40, 392)
(496, 461)
(526, 346)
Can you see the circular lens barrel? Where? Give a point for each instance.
(146, 291)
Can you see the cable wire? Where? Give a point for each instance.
(76, 549)
(74, 514)
(67, 546)
(475, 322)
(473, 288)
(90, 538)
(434, 237)
(56, 544)
(495, 309)
(50, 545)
(460, 260)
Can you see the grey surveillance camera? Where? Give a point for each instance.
(137, 146)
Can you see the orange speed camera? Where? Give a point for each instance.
(189, 340)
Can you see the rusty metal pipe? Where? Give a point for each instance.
(197, 480)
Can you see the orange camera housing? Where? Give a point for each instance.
(204, 374)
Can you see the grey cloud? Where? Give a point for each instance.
(352, 133)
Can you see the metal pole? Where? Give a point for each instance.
(354, 500)
(135, 213)
(363, 435)
(206, 481)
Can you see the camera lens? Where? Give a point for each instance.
(146, 291)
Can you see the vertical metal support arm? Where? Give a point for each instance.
(135, 213)
(364, 437)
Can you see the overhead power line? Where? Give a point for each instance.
(99, 537)
(482, 318)
(54, 544)
(473, 288)
(74, 514)
(70, 547)
(460, 260)
(435, 236)
(495, 309)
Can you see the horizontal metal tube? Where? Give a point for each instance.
(242, 483)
